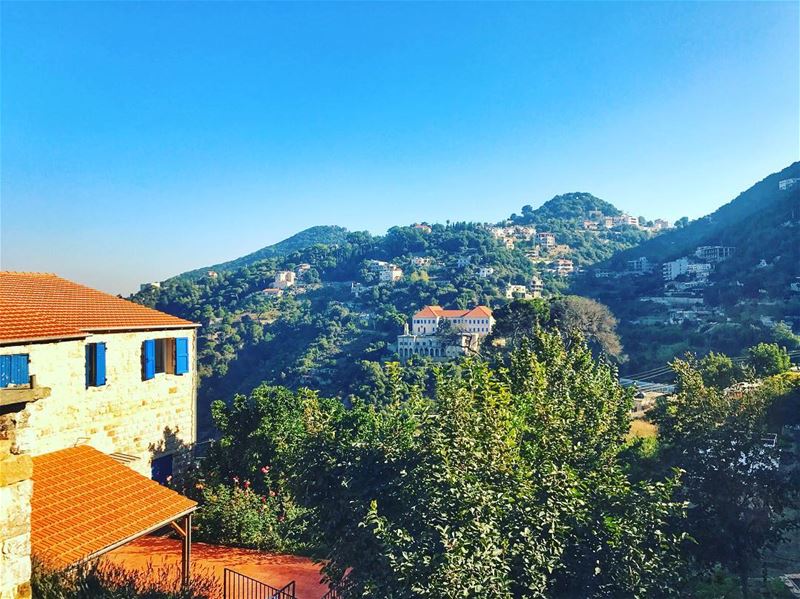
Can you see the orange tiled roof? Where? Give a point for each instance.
(18, 323)
(439, 312)
(85, 503)
(45, 306)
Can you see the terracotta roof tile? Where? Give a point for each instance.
(37, 306)
(84, 502)
(439, 312)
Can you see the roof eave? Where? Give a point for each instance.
(133, 537)
(49, 338)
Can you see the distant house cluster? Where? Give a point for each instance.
(510, 235)
(426, 337)
(597, 221)
(386, 271)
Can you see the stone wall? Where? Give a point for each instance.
(143, 419)
(16, 488)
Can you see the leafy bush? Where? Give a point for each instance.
(104, 581)
(234, 514)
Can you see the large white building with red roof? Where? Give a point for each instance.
(465, 329)
(83, 367)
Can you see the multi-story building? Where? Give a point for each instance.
(546, 240)
(640, 265)
(660, 224)
(421, 261)
(625, 219)
(485, 271)
(82, 367)
(537, 287)
(673, 269)
(302, 268)
(391, 274)
(516, 292)
(699, 269)
(465, 329)
(479, 320)
(284, 279)
(562, 267)
(787, 184)
(590, 225)
(714, 253)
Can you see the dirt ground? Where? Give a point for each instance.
(274, 570)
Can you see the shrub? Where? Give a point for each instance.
(106, 581)
(236, 515)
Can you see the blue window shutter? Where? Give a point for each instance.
(19, 369)
(181, 355)
(5, 371)
(149, 359)
(88, 365)
(100, 364)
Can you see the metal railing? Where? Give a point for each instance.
(332, 594)
(239, 586)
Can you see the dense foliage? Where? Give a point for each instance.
(499, 482)
(324, 336)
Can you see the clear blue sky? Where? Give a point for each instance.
(140, 140)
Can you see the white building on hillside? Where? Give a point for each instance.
(516, 292)
(391, 274)
(640, 265)
(546, 240)
(485, 271)
(284, 279)
(714, 253)
(537, 287)
(466, 329)
(671, 270)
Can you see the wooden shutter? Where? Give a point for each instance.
(19, 369)
(99, 364)
(149, 359)
(181, 355)
(5, 371)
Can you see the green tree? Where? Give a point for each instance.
(518, 320)
(741, 501)
(593, 319)
(720, 371)
(498, 484)
(768, 359)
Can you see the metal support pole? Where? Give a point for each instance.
(186, 557)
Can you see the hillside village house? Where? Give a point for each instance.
(546, 239)
(82, 367)
(97, 395)
(467, 328)
(284, 279)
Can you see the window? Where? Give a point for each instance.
(14, 371)
(95, 364)
(168, 356)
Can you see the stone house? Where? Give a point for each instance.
(82, 367)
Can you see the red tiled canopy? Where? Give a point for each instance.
(85, 504)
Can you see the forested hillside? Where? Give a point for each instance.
(331, 330)
(324, 235)
(563, 216)
(750, 297)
